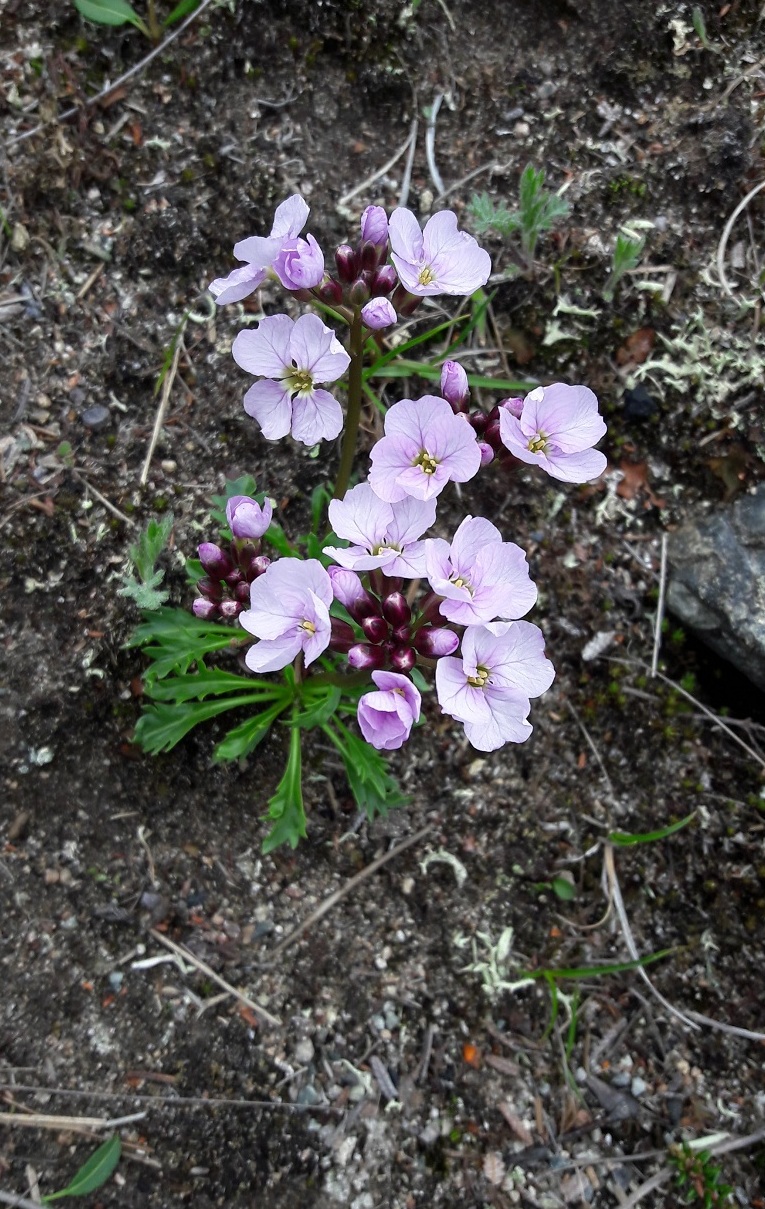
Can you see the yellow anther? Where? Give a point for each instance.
(427, 462)
(426, 276)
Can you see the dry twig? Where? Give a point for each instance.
(659, 606)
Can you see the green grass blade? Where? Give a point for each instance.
(110, 12)
(180, 11)
(432, 373)
(616, 967)
(624, 839)
(94, 1173)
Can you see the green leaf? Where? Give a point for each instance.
(196, 685)
(374, 790)
(320, 499)
(160, 727)
(245, 737)
(179, 12)
(174, 639)
(563, 885)
(110, 12)
(616, 967)
(432, 373)
(286, 806)
(625, 840)
(276, 537)
(320, 711)
(144, 555)
(94, 1173)
(372, 371)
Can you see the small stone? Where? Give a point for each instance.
(96, 417)
(116, 978)
(169, 466)
(521, 130)
(19, 237)
(40, 756)
(638, 1086)
(51, 876)
(308, 1095)
(304, 1051)
(407, 886)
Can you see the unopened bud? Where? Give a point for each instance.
(375, 628)
(433, 643)
(258, 566)
(205, 610)
(487, 453)
(478, 420)
(374, 227)
(242, 592)
(359, 292)
(366, 658)
(342, 636)
(514, 406)
(347, 261)
(215, 561)
(331, 292)
(492, 435)
(403, 659)
(211, 588)
(404, 302)
(383, 281)
(454, 385)
(230, 609)
(396, 609)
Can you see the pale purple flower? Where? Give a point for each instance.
(480, 576)
(246, 519)
(556, 429)
(488, 689)
(260, 252)
(384, 535)
(438, 260)
(454, 384)
(378, 313)
(374, 226)
(289, 613)
(300, 264)
(347, 587)
(387, 716)
(425, 445)
(293, 356)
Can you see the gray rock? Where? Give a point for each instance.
(717, 582)
(96, 417)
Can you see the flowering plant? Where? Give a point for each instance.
(372, 608)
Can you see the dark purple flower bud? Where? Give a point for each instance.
(396, 609)
(359, 292)
(211, 588)
(258, 566)
(349, 590)
(331, 292)
(401, 634)
(492, 435)
(230, 609)
(342, 636)
(487, 453)
(215, 561)
(242, 592)
(374, 226)
(430, 609)
(454, 385)
(348, 263)
(404, 302)
(366, 658)
(479, 420)
(205, 610)
(435, 643)
(403, 659)
(233, 578)
(375, 628)
(514, 406)
(383, 281)
(246, 519)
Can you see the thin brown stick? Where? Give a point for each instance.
(103, 500)
(351, 884)
(44, 1121)
(659, 607)
(164, 1101)
(183, 952)
(167, 386)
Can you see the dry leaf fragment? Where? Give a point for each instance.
(515, 1123)
(494, 1167)
(637, 347)
(635, 481)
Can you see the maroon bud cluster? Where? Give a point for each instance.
(393, 635)
(225, 587)
(361, 274)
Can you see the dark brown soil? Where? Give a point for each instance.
(113, 225)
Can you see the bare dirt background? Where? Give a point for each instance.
(113, 225)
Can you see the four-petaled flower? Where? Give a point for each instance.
(556, 429)
(480, 576)
(292, 356)
(289, 613)
(488, 689)
(425, 445)
(386, 717)
(383, 535)
(439, 260)
(261, 252)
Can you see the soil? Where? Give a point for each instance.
(394, 1078)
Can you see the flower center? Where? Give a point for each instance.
(308, 626)
(299, 380)
(426, 276)
(427, 463)
(460, 581)
(480, 679)
(383, 546)
(538, 444)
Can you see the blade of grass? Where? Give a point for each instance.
(625, 839)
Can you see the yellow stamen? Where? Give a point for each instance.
(538, 444)
(426, 276)
(480, 679)
(427, 462)
(299, 380)
(308, 626)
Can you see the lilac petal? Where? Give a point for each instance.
(514, 653)
(455, 696)
(265, 351)
(463, 268)
(269, 403)
(473, 534)
(410, 563)
(390, 457)
(385, 720)
(575, 467)
(414, 481)
(438, 566)
(411, 418)
(378, 313)
(506, 587)
(507, 722)
(300, 264)
(411, 518)
(259, 251)
(409, 275)
(361, 517)
(314, 347)
(440, 234)
(568, 415)
(246, 519)
(316, 417)
(358, 558)
(314, 644)
(347, 588)
(402, 685)
(239, 284)
(272, 655)
(290, 217)
(307, 574)
(514, 439)
(406, 238)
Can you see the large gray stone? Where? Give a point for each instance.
(717, 582)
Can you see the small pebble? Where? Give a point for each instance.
(169, 465)
(96, 417)
(638, 1086)
(304, 1051)
(116, 978)
(308, 1095)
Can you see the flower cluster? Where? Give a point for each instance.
(391, 601)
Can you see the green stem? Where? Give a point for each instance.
(353, 416)
(155, 30)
